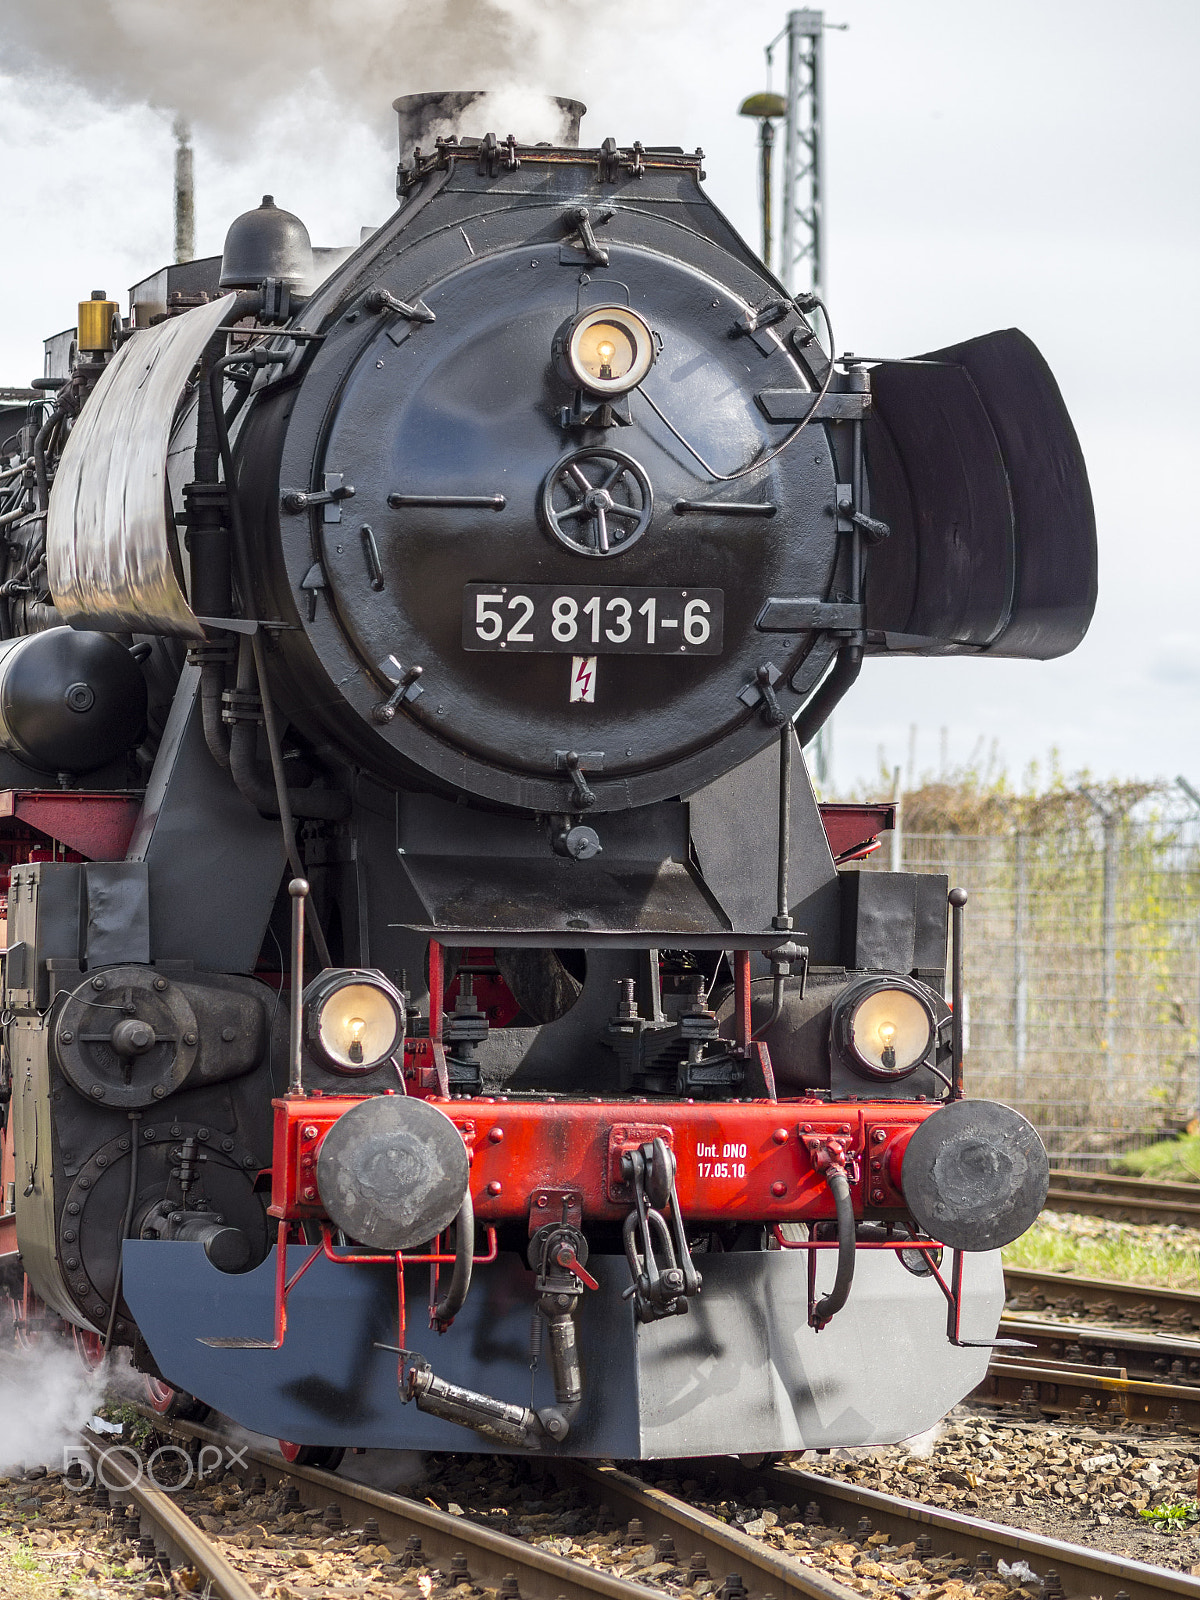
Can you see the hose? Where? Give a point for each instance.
(818, 710)
(135, 1118)
(455, 1297)
(833, 1302)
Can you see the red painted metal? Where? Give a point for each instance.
(98, 826)
(853, 830)
(748, 1161)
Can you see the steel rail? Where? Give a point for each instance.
(494, 1556)
(726, 1551)
(1156, 1357)
(1124, 1199)
(1092, 1392)
(1063, 1290)
(173, 1530)
(1084, 1573)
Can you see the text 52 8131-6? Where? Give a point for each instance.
(599, 620)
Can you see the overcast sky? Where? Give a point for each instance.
(989, 165)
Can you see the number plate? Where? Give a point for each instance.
(593, 621)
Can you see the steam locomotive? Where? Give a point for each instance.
(438, 1012)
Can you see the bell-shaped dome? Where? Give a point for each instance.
(266, 243)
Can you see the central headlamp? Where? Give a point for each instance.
(353, 1019)
(883, 1027)
(608, 350)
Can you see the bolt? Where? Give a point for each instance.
(189, 1037)
(605, 1521)
(1052, 1583)
(160, 984)
(310, 1193)
(541, 1200)
(97, 1092)
(99, 983)
(145, 1547)
(158, 1091)
(100, 1497)
(227, 1145)
(665, 1548)
(333, 1516)
(812, 1514)
(864, 1529)
(459, 1569)
(229, 1035)
(495, 1187)
(733, 1587)
(697, 1566)
(924, 1544)
(877, 1197)
(309, 1130)
(496, 1135)
(258, 1485)
(370, 1531)
(879, 1135)
(779, 1188)
(67, 1036)
(780, 1136)
(635, 1533)
(985, 1561)
(509, 1588)
(291, 1496)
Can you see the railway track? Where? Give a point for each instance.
(694, 1543)
(969, 1547)
(1067, 1295)
(179, 1540)
(1143, 1354)
(699, 1544)
(1124, 1199)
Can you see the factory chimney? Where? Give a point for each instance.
(185, 199)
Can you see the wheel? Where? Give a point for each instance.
(326, 1456)
(169, 1402)
(89, 1347)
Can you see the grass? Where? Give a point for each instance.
(1170, 1160)
(1093, 1247)
(22, 1575)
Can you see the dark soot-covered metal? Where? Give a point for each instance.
(469, 404)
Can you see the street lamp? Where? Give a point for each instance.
(769, 109)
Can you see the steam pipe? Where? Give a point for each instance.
(822, 705)
(833, 1302)
(455, 1297)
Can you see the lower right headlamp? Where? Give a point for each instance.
(883, 1027)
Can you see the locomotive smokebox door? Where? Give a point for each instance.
(392, 1172)
(975, 1175)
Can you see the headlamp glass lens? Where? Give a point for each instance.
(358, 1026)
(610, 350)
(890, 1030)
(606, 351)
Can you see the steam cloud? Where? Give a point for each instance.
(223, 64)
(45, 1398)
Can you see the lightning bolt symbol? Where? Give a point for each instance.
(584, 676)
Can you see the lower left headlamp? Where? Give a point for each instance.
(353, 1019)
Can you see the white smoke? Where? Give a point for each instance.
(46, 1396)
(224, 65)
(922, 1445)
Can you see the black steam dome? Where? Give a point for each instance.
(266, 243)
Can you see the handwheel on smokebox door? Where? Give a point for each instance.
(170, 1402)
(579, 497)
(328, 1457)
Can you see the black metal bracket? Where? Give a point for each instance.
(335, 491)
(411, 311)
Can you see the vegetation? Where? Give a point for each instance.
(1167, 1161)
(1091, 1247)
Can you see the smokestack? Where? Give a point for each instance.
(185, 198)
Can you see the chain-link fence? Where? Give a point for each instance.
(1082, 968)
